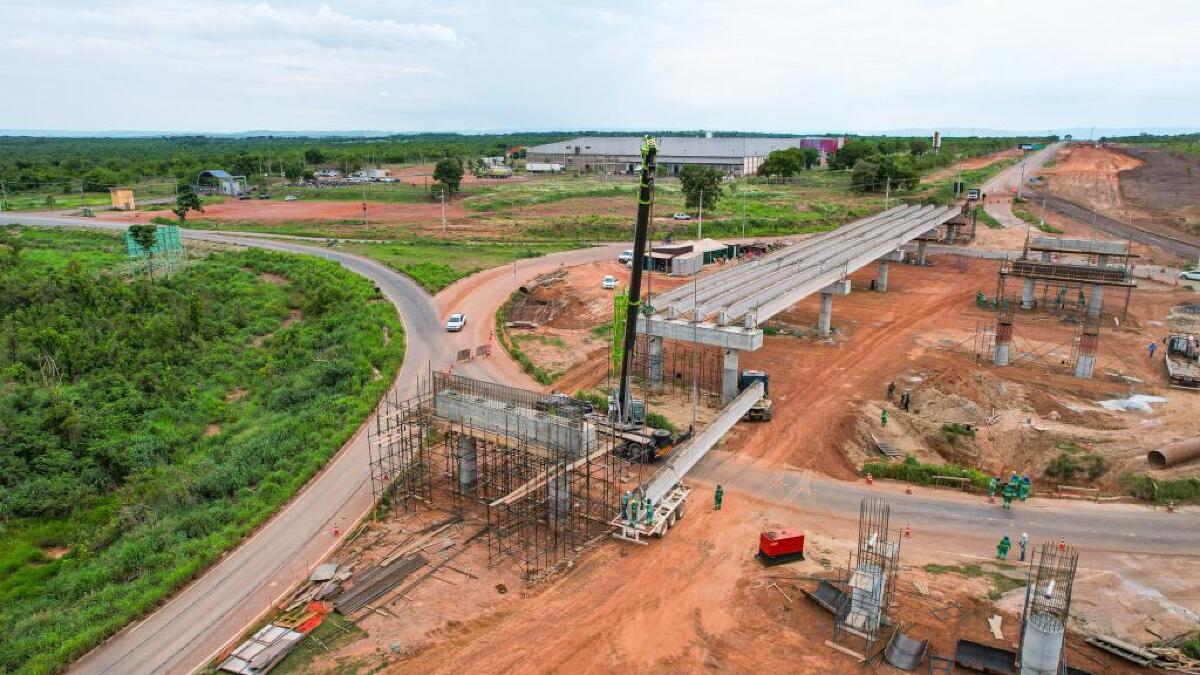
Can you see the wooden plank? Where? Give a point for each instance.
(546, 476)
(848, 652)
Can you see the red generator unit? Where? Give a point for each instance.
(776, 547)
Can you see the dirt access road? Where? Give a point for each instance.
(183, 634)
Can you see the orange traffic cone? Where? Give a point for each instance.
(870, 479)
(908, 489)
(907, 530)
(1062, 545)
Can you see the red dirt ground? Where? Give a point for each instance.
(274, 211)
(972, 163)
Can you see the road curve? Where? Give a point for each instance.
(183, 634)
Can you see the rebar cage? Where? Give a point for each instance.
(869, 578)
(534, 463)
(1051, 578)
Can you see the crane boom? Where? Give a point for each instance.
(641, 230)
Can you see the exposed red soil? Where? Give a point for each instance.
(273, 212)
(972, 163)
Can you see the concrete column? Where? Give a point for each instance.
(729, 376)
(1045, 256)
(1027, 295)
(468, 465)
(559, 495)
(921, 245)
(1004, 333)
(1101, 260)
(1097, 301)
(1087, 352)
(654, 361)
(826, 313)
(881, 285)
(951, 233)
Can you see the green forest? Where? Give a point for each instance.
(149, 425)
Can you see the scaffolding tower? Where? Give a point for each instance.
(869, 578)
(1047, 607)
(533, 463)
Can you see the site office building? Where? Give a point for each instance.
(622, 154)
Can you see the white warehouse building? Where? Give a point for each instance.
(622, 154)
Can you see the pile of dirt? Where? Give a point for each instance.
(1165, 183)
(1089, 175)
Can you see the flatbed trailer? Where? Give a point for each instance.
(667, 512)
(1183, 361)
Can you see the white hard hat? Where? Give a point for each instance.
(1024, 535)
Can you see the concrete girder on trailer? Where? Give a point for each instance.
(687, 456)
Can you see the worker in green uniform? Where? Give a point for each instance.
(993, 485)
(883, 418)
(649, 512)
(1025, 486)
(1008, 492)
(1002, 548)
(717, 496)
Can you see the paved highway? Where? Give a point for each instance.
(185, 633)
(1004, 185)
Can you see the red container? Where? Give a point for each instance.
(781, 545)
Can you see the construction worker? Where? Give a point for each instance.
(717, 496)
(649, 512)
(1002, 548)
(625, 506)
(1008, 492)
(1026, 485)
(891, 390)
(883, 418)
(993, 485)
(1024, 542)
(905, 399)
(1152, 347)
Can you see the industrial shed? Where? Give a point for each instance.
(220, 181)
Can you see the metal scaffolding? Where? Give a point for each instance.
(684, 365)
(1047, 607)
(532, 463)
(869, 578)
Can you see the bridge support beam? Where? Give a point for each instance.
(881, 284)
(1027, 295)
(654, 359)
(729, 376)
(921, 246)
(1097, 301)
(826, 316)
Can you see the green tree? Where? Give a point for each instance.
(850, 153)
(314, 156)
(293, 172)
(783, 163)
(449, 172)
(918, 147)
(862, 179)
(697, 180)
(812, 157)
(187, 200)
(145, 235)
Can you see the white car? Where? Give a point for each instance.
(290, 198)
(609, 281)
(1193, 275)
(456, 322)
(681, 216)
(626, 256)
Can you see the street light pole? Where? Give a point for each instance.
(700, 221)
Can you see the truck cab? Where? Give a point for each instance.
(762, 410)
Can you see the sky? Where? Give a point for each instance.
(784, 66)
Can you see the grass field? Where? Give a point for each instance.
(435, 264)
(375, 192)
(149, 427)
(60, 200)
(942, 191)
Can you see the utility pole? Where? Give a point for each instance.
(443, 194)
(1042, 220)
(366, 221)
(887, 193)
(1021, 185)
(4, 189)
(700, 221)
(81, 201)
(743, 213)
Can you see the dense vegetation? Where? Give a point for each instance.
(149, 426)
(912, 471)
(1189, 143)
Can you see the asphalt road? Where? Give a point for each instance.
(1005, 183)
(1176, 246)
(184, 634)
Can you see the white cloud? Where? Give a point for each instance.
(784, 65)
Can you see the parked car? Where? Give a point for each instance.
(609, 281)
(290, 198)
(1193, 275)
(626, 256)
(456, 322)
(681, 216)
(264, 195)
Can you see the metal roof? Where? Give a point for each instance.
(216, 173)
(670, 146)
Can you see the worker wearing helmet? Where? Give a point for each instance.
(1009, 491)
(1024, 542)
(717, 497)
(1002, 548)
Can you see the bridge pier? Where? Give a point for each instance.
(654, 361)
